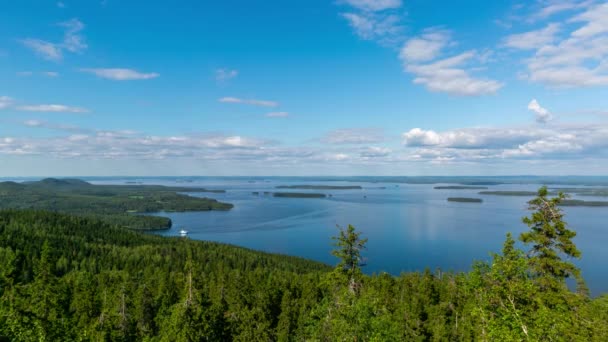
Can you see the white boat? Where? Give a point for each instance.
(183, 232)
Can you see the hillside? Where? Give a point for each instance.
(72, 278)
(115, 204)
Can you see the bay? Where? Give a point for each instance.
(410, 227)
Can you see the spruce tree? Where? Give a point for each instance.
(551, 240)
(349, 246)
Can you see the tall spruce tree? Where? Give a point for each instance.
(551, 240)
(349, 246)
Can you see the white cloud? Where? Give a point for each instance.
(5, 102)
(33, 123)
(426, 47)
(372, 26)
(450, 75)
(277, 115)
(354, 136)
(120, 74)
(563, 141)
(60, 4)
(533, 39)
(73, 41)
(44, 73)
(46, 50)
(580, 58)
(469, 138)
(375, 20)
(552, 7)
(52, 108)
(375, 152)
(253, 102)
(374, 5)
(542, 114)
(223, 75)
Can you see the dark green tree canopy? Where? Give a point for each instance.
(551, 240)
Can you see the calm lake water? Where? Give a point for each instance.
(409, 226)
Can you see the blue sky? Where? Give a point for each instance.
(347, 87)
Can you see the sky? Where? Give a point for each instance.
(345, 87)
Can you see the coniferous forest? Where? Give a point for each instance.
(75, 278)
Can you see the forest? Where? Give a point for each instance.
(77, 278)
(121, 205)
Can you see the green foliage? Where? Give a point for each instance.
(72, 278)
(348, 249)
(115, 204)
(551, 239)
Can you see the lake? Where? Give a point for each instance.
(409, 226)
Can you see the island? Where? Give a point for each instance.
(320, 187)
(465, 200)
(129, 206)
(459, 187)
(509, 193)
(600, 192)
(581, 203)
(298, 195)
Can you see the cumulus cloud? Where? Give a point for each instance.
(558, 141)
(130, 145)
(120, 74)
(73, 41)
(253, 102)
(354, 136)
(377, 20)
(579, 58)
(542, 114)
(224, 75)
(452, 75)
(277, 115)
(52, 108)
(426, 47)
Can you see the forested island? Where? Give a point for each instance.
(116, 204)
(581, 203)
(459, 187)
(320, 187)
(509, 193)
(600, 192)
(298, 195)
(66, 278)
(465, 199)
